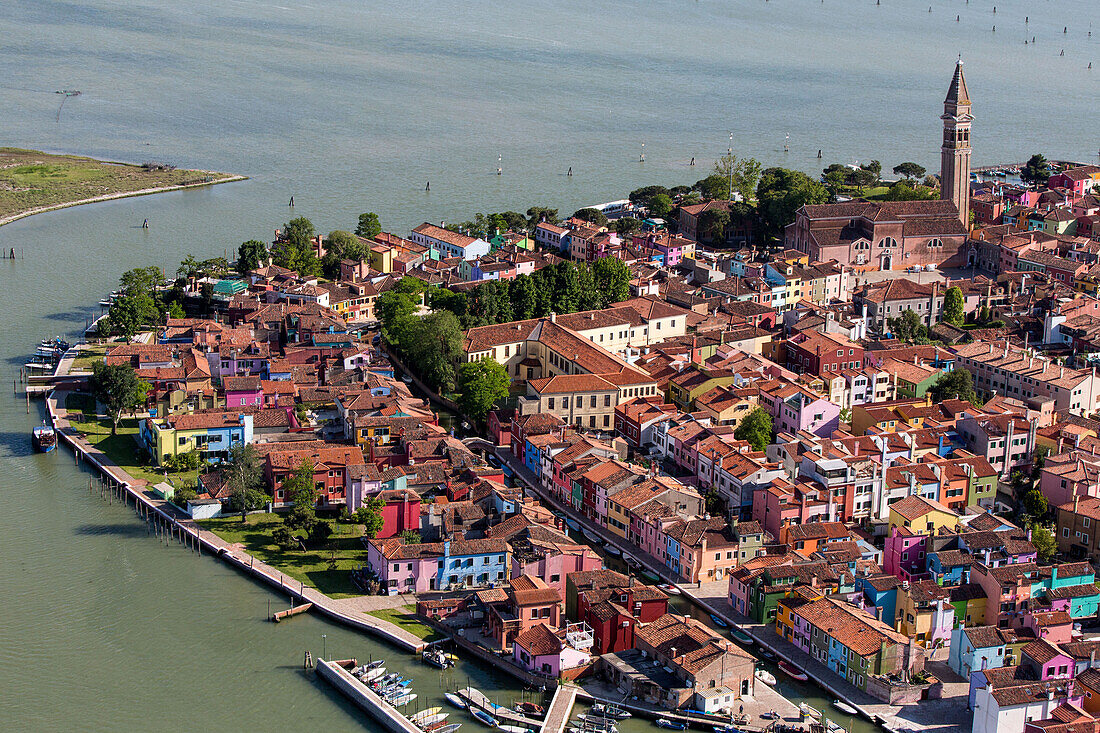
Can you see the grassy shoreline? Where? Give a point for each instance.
(33, 182)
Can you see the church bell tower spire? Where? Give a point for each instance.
(955, 152)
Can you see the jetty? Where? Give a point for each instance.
(290, 612)
(378, 709)
(561, 707)
(479, 700)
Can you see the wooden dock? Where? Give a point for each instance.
(477, 699)
(377, 708)
(561, 707)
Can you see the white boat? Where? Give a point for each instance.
(402, 700)
(513, 728)
(449, 728)
(845, 707)
(431, 720)
(573, 524)
(375, 664)
(610, 711)
(834, 727)
(612, 550)
(766, 677)
(670, 589)
(372, 674)
(419, 717)
(592, 537)
(455, 700)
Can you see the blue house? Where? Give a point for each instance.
(532, 459)
(472, 562)
(977, 648)
(952, 565)
(881, 591)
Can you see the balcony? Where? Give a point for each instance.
(579, 636)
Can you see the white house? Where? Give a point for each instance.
(445, 243)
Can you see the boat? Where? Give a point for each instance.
(427, 720)
(793, 672)
(455, 700)
(38, 366)
(513, 728)
(573, 524)
(718, 620)
(730, 728)
(763, 675)
(650, 576)
(402, 700)
(834, 727)
(630, 561)
(612, 550)
(809, 711)
(436, 658)
(599, 720)
(742, 638)
(771, 715)
(592, 537)
(766, 654)
(610, 711)
(484, 717)
(44, 438)
(449, 728)
(421, 716)
(671, 724)
(372, 674)
(845, 707)
(375, 664)
(670, 589)
(529, 707)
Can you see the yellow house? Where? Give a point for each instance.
(924, 613)
(381, 258)
(211, 434)
(921, 516)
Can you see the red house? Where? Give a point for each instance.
(400, 512)
(500, 425)
(329, 471)
(823, 354)
(614, 612)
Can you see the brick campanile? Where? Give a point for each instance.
(955, 153)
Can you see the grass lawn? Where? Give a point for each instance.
(121, 448)
(30, 179)
(405, 617)
(89, 355)
(312, 567)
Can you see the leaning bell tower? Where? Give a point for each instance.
(955, 152)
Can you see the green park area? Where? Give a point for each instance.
(405, 617)
(30, 179)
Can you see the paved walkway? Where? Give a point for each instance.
(184, 525)
(557, 715)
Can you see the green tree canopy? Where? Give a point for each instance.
(780, 193)
(901, 191)
(863, 178)
(745, 173)
(299, 488)
(294, 250)
(627, 225)
(1043, 539)
(521, 291)
(481, 384)
(1036, 170)
(368, 227)
(714, 187)
(433, 346)
(250, 255)
(129, 313)
(244, 476)
(906, 327)
(756, 428)
(593, 216)
(660, 206)
(119, 388)
(912, 171)
(370, 516)
(644, 195)
(142, 281)
(953, 306)
(712, 226)
(341, 245)
(612, 280)
(537, 214)
(957, 383)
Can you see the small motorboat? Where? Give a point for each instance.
(431, 720)
(630, 561)
(44, 438)
(435, 658)
(719, 621)
(421, 716)
(609, 711)
(592, 537)
(375, 664)
(455, 700)
(834, 727)
(670, 589)
(514, 728)
(763, 675)
(372, 674)
(449, 728)
(612, 550)
(845, 707)
(573, 524)
(671, 724)
(766, 654)
(742, 638)
(402, 700)
(730, 728)
(809, 711)
(484, 717)
(530, 708)
(793, 672)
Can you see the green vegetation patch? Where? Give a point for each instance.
(405, 617)
(327, 568)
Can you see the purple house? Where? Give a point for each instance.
(230, 360)
(1048, 660)
(904, 554)
(804, 410)
(544, 651)
(243, 392)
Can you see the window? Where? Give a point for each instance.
(593, 401)
(550, 403)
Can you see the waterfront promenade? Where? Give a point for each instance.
(947, 715)
(353, 612)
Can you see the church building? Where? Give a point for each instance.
(897, 235)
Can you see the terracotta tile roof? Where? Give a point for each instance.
(539, 641)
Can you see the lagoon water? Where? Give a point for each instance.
(354, 106)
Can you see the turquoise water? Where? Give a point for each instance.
(352, 107)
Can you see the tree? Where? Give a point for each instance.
(1038, 460)
(433, 346)
(592, 216)
(142, 281)
(756, 428)
(955, 384)
(953, 306)
(612, 279)
(1043, 539)
(537, 214)
(566, 288)
(627, 225)
(745, 173)
(588, 297)
(118, 387)
(874, 168)
(521, 291)
(513, 220)
(834, 177)
(712, 226)
(370, 516)
(912, 171)
(642, 196)
(905, 327)
(130, 312)
(250, 255)
(294, 249)
(902, 191)
(410, 536)
(282, 538)
(714, 187)
(320, 532)
(299, 489)
(863, 178)
(182, 495)
(1034, 503)
(1036, 170)
(780, 193)
(341, 245)
(368, 227)
(660, 206)
(481, 384)
(244, 476)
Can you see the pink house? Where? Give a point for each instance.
(403, 568)
(400, 509)
(543, 651)
(243, 392)
(904, 554)
(1055, 626)
(1067, 475)
(552, 562)
(1048, 661)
